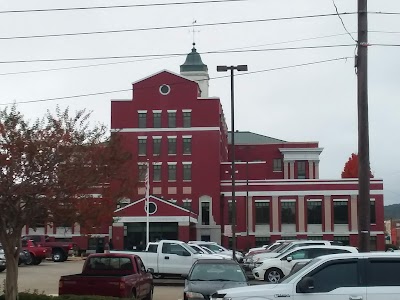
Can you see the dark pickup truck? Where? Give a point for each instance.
(113, 275)
(59, 250)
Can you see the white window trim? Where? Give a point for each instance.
(186, 110)
(142, 111)
(171, 110)
(186, 163)
(157, 111)
(262, 200)
(157, 137)
(314, 200)
(288, 200)
(142, 137)
(172, 137)
(340, 200)
(172, 163)
(186, 136)
(157, 163)
(142, 163)
(187, 200)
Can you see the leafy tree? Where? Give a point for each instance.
(49, 170)
(351, 168)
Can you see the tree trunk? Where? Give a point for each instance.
(11, 245)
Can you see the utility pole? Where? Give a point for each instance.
(364, 212)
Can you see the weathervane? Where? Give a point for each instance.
(193, 31)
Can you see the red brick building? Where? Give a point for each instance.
(171, 123)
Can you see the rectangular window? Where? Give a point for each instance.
(301, 170)
(142, 169)
(142, 120)
(372, 243)
(341, 212)
(171, 119)
(142, 147)
(187, 145)
(171, 145)
(261, 241)
(205, 213)
(187, 172)
(156, 172)
(157, 120)
(172, 172)
(262, 213)
(230, 212)
(188, 205)
(383, 272)
(315, 237)
(277, 165)
(288, 212)
(314, 212)
(156, 146)
(344, 240)
(187, 119)
(373, 212)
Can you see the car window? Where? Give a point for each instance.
(336, 275)
(170, 248)
(217, 272)
(24, 243)
(109, 263)
(299, 254)
(383, 272)
(152, 248)
(140, 264)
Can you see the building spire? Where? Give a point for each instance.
(194, 32)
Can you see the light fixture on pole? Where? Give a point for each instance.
(239, 68)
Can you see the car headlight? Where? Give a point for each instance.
(190, 295)
(217, 296)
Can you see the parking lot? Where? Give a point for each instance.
(45, 276)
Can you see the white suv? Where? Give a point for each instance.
(257, 258)
(274, 269)
(372, 276)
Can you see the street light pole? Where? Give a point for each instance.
(233, 169)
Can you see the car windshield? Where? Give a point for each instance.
(214, 247)
(310, 263)
(281, 247)
(273, 247)
(208, 250)
(217, 272)
(197, 249)
(190, 249)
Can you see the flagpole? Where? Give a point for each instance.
(147, 203)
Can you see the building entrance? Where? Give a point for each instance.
(136, 233)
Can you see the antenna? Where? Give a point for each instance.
(193, 31)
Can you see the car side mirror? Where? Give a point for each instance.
(289, 258)
(150, 270)
(306, 285)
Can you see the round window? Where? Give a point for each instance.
(165, 89)
(152, 208)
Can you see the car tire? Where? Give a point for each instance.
(58, 256)
(37, 261)
(273, 275)
(30, 259)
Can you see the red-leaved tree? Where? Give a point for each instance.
(49, 170)
(351, 168)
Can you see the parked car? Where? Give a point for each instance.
(114, 275)
(59, 250)
(297, 267)
(2, 259)
(37, 254)
(371, 276)
(204, 250)
(288, 246)
(219, 249)
(209, 275)
(274, 269)
(269, 247)
(169, 257)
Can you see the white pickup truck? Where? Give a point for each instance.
(169, 257)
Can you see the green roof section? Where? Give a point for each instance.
(193, 62)
(250, 138)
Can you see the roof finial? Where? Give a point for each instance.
(194, 32)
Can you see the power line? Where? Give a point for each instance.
(212, 78)
(171, 27)
(341, 20)
(177, 54)
(119, 6)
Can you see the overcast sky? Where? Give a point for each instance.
(309, 103)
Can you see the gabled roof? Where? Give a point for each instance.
(163, 208)
(159, 72)
(251, 138)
